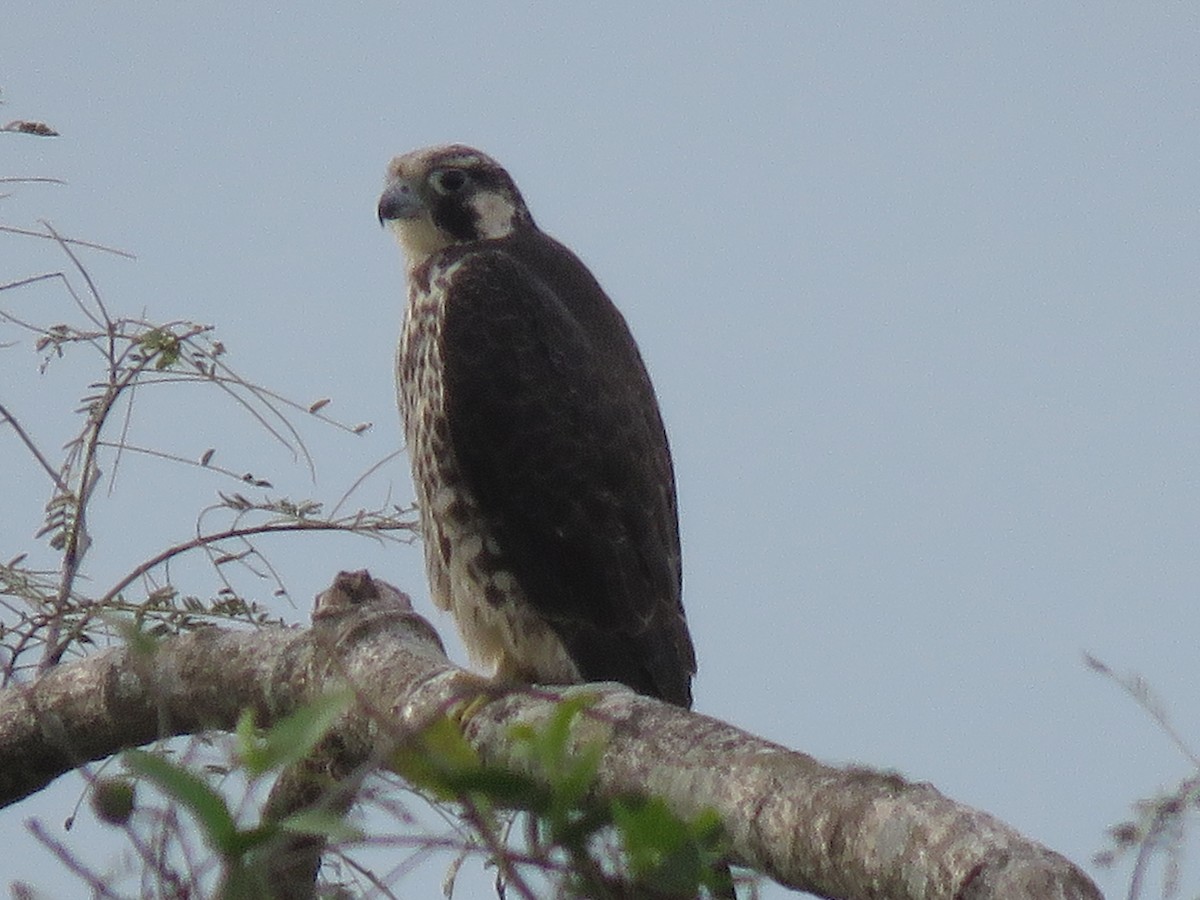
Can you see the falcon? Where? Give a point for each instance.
(541, 465)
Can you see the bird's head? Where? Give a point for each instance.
(452, 194)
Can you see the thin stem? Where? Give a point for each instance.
(6, 416)
(9, 229)
(231, 534)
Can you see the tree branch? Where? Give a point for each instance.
(836, 832)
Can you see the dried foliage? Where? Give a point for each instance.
(1161, 823)
(50, 612)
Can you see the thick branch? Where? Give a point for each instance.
(846, 832)
(836, 832)
(203, 680)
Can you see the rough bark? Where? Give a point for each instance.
(836, 832)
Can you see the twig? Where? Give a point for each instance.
(172, 457)
(94, 881)
(21, 179)
(25, 232)
(363, 477)
(87, 278)
(230, 534)
(21, 282)
(499, 853)
(1137, 688)
(6, 416)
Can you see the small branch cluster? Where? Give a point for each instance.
(1162, 822)
(46, 612)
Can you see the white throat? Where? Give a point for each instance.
(419, 238)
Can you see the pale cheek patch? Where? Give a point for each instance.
(494, 214)
(419, 238)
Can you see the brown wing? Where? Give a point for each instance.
(557, 434)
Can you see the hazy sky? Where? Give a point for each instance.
(916, 283)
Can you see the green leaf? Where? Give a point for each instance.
(321, 823)
(141, 643)
(549, 748)
(208, 807)
(500, 787)
(663, 851)
(113, 800)
(164, 343)
(560, 753)
(578, 775)
(244, 880)
(292, 738)
(555, 740)
(438, 759)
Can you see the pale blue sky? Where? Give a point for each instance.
(917, 285)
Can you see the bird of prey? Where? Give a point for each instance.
(543, 476)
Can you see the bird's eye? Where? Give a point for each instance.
(449, 181)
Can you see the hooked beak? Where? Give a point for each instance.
(399, 201)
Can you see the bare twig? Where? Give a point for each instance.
(25, 232)
(1139, 689)
(6, 416)
(20, 179)
(1160, 822)
(87, 278)
(97, 883)
(363, 477)
(233, 534)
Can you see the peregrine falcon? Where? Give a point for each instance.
(543, 476)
